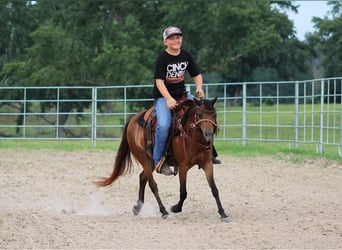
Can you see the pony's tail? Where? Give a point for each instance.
(123, 162)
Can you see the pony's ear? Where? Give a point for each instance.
(198, 102)
(213, 101)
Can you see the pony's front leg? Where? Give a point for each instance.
(210, 178)
(182, 191)
(142, 184)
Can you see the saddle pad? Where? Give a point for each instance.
(145, 116)
(141, 120)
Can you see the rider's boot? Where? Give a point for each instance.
(163, 168)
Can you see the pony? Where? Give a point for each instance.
(190, 145)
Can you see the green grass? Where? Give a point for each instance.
(224, 148)
(272, 149)
(278, 122)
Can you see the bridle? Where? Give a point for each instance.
(194, 125)
(206, 146)
(198, 121)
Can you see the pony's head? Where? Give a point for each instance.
(205, 117)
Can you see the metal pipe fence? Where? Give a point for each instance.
(292, 112)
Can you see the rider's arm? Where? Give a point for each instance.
(170, 101)
(199, 85)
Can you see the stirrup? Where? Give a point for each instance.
(160, 164)
(163, 168)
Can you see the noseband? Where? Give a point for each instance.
(198, 121)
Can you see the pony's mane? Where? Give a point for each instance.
(208, 105)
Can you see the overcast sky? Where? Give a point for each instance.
(307, 10)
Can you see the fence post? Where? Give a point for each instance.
(24, 113)
(244, 113)
(225, 126)
(93, 116)
(321, 125)
(296, 114)
(125, 104)
(57, 114)
(340, 150)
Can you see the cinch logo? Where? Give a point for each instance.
(176, 70)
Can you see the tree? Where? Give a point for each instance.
(330, 40)
(17, 19)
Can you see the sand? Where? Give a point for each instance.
(48, 201)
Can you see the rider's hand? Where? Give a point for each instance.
(171, 103)
(200, 93)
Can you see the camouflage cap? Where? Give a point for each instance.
(170, 31)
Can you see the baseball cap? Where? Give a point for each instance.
(170, 31)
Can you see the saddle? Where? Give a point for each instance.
(148, 120)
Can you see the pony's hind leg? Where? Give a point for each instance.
(148, 168)
(147, 176)
(154, 188)
(142, 184)
(137, 147)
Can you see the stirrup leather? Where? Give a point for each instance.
(160, 164)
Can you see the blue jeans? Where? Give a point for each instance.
(163, 114)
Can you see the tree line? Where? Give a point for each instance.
(82, 42)
(115, 42)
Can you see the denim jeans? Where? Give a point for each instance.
(163, 114)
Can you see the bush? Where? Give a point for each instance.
(269, 101)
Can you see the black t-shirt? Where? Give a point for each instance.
(172, 70)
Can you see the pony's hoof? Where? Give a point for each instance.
(164, 216)
(176, 209)
(225, 219)
(175, 170)
(137, 208)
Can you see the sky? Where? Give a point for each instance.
(306, 10)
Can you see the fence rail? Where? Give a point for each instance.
(293, 112)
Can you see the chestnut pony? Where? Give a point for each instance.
(191, 145)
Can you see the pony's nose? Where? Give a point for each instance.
(208, 135)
